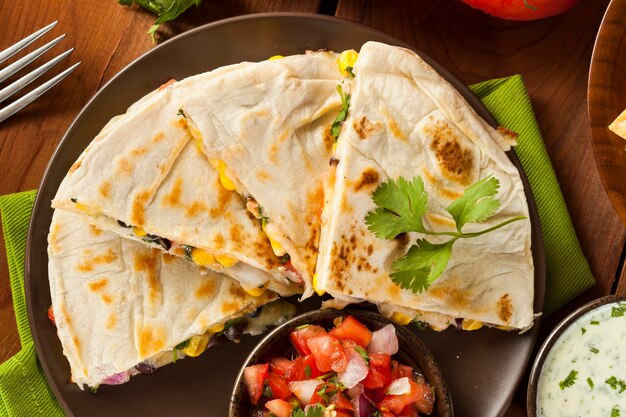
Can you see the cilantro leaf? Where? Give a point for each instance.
(166, 10)
(363, 354)
(569, 380)
(422, 265)
(401, 206)
(335, 129)
(477, 203)
(619, 310)
(615, 412)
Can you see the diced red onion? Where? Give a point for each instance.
(304, 389)
(356, 391)
(363, 407)
(399, 386)
(117, 379)
(355, 372)
(384, 341)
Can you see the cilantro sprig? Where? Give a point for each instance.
(401, 205)
(166, 10)
(569, 380)
(335, 129)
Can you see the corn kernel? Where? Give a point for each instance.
(216, 329)
(276, 246)
(196, 345)
(315, 282)
(225, 260)
(346, 60)
(82, 207)
(220, 166)
(255, 291)
(139, 232)
(272, 58)
(470, 325)
(400, 318)
(202, 257)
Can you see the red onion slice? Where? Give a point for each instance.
(117, 379)
(384, 341)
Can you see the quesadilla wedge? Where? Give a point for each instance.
(406, 121)
(145, 178)
(266, 127)
(122, 308)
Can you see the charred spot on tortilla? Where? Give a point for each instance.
(395, 129)
(402, 239)
(105, 189)
(223, 197)
(106, 298)
(151, 341)
(205, 290)
(195, 208)
(94, 230)
(505, 308)
(111, 321)
(454, 297)
(75, 166)
(168, 258)
(138, 212)
(364, 128)
(368, 178)
(158, 137)
(173, 197)
(148, 263)
(98, 285)
(263, 176)
(139, 151)
(88, 264)
(454, 161)
(510, 135)
(440, 220)
(124, 167)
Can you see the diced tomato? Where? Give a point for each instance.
(396, 403)
(425, 397)
(303, 367)
(279, 407)
(254, 377)
(317, 399)
(300, 337)
(376, 395)
(399, 371)
(409, 411)
(328, 353)
(310, 368)
(379, 360)
(352, 329)
(386, 413)
(51, 316)
(278, 386)
(379, 374)
(280, 365)
(341, 402)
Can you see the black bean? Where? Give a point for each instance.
(145, 368)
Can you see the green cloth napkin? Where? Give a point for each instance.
(23, 388)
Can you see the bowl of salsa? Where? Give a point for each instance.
(330, 363)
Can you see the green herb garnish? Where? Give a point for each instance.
(93, 390)
(569, 380)
(615, 412)
(187, 250)
(594, 322)
(307, 371)
(619, 310)
(343, 114)
(314, 411)
(363, 354)
(73, 200)
(182, 345)
(594, 350)
(284, 259)
(167, 10)
(590, 382)
(350, 72)
(421, 325)
(267, 391)
(583, 330)
(181, 113)
(401, 206)
(616, 383)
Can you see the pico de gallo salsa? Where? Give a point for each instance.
(345, 372)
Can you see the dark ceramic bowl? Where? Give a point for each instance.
(535, 373)
(412, 352)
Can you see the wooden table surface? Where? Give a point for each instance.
(553, 56)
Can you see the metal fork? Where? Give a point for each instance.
(32, 76)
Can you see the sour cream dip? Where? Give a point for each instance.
(584, 373)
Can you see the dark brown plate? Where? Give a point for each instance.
(607, 99)
(482, 367)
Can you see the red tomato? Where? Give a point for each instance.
(341, 402)
(51, 316)
(398, 371)
(386, 413)
(409, 411)
(397, 403)
(317, 399)
(521, 9)
(312, 372)
(328, 353)
(280, 365)
(377, 377)
(279, 386)
(352, 329)
(279, 407)
(300, 337)
(254, 377)
(426, 398)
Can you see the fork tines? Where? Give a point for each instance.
(33, 75)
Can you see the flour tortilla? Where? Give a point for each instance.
(619, 125)
(270, 124)
(406, 120)
(118, 303)
(145, 170)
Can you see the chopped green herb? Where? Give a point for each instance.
(73, 200)
(363, 354)
(401, 204)
(615, 412)
(583, 330)
(267, 391)
(284, 259)
(187, 250)
(343, 114)
(619, 310)
(307, 371)
(569, 380)
(421, 325)
(594, 322)
(330, 374)
(350, 72)
(304, 326)
(167, 10)
(314, 411)
(93, 390)
(182, 345)
(593, 350)
(376, 414)
(590, 382)
(181, 113)
(616, 383)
